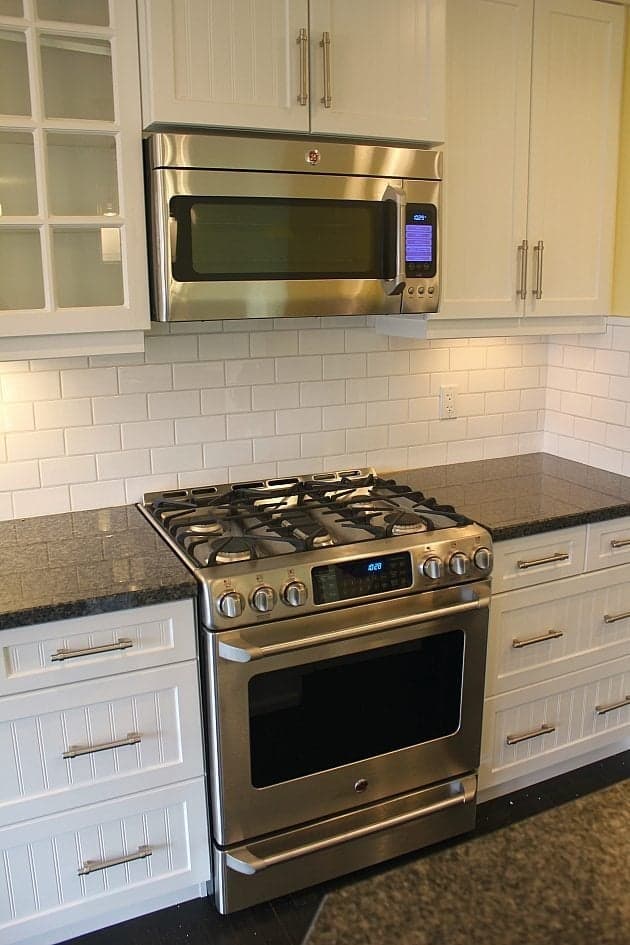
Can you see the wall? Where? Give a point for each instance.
(210, 402)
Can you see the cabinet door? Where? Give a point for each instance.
(576, 91)
(487, 123)
(383, 69)
(233, 63)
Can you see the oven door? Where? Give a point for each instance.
(312, 716)
(243, 244)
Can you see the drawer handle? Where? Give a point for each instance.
(529, 641)
(73, 751)
(550, 559)
(613, 618)
(543, 730)
(602, 709)
(619, 542)
(93, 866)
(122, 644)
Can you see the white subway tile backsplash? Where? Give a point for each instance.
(257, 423)
(323, 444)
(342, 417)
(235, 453)
(46, 501)
(429, 360)
(275, 396)
(362, 390)
(96, 495)
(144, 378)
(274, 448)
(322, 393)
(226, 400)
(223, 347)
(198, 376)
(424, 408)
(44, 385)
(300, 420)
(243, 371)
(94, 439)
(58, 414)
(504, 356)
(209, 429)
(409, 434)
(500, 446)
(299, 368)
(384, 460)
(481, 427)
(90, 382)
(441, 431)
(594, 431)
(19, 475)
(429, 454)
(480, 381)
(252, 471)
(165, 459)
(612, 362)
(364, 340)
(122, 465)
(63, 471)
(17, 417)
(346, 365)
(321, 341)
(147, 433)
(392, 411)
(273, 344)
(136, 487)
(467, 359)
(464, 451)
(370, 438)
(409, 385)
(170, 348)
(170, 404)
(34, 444)
(383, 363)
(121, 408)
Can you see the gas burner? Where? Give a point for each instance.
(406, 523)
(231, 550)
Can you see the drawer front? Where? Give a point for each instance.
(55, 870)
(608, 544)
(52, 654)
(546, 631)
(535, 559)
(54, 743)
(531, 728)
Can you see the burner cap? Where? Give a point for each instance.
(235, 549)
(211, 528)
(406, 523)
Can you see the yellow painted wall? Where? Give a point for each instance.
(621, 282)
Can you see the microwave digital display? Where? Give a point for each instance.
(420, 240)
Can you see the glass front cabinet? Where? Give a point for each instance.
(72, 242)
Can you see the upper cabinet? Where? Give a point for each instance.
(533, 100)
(72, 243)
(373, 70)
(621, 286)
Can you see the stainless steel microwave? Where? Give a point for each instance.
(262, 227)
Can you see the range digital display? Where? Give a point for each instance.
(361, 578)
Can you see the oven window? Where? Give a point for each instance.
(250, 238)
(321, 715)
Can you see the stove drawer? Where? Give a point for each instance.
(62, 651)
(87, 742)
(536, 559)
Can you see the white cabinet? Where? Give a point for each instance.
(103, 811)
(533, 101)
(72, 232)
(372, 70)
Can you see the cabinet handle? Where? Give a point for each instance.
(122, 644)
(93, 866)
(73, 751)
(619, 542)
(523, 251)
(536, 562)
(327, 96)
(543, 730)
(602, 709)
(613, 618)
(303, 44)
(539, 249)
(529, 641)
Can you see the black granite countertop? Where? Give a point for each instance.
(522, 495)
(77, 563)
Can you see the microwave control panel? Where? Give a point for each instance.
(421, 291)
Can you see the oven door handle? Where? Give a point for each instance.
(247, 862)
(245, 652)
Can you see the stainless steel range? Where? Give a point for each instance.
(344, 621)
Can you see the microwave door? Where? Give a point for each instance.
(265, 245)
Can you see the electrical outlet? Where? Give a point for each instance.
(448, 402)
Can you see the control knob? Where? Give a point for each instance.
(295, 594)
(459, 563)
(483, 559)
(264, 599)
(432, 568)
(231, 604)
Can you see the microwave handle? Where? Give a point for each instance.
(396, 195)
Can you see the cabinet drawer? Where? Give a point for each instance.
(62, 651)
(61, 869)
(541, 632)
(531, 728)
(536, 559)
(150, 720)
(607, 543)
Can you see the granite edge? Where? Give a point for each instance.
(568, 520)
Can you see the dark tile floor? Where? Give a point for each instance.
(286, 920)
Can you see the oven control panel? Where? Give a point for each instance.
(361, 577)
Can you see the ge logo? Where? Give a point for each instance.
(313, 156)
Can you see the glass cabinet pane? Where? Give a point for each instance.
(88, 267)
(92, 12)
(15, 96)
(21, 280)
(77, 77)
(11, 8)
(82, 178)
(18, 189)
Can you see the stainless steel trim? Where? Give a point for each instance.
(73, 751)
(549, 559)
(93, 866)
(248, 863)
(539, 248)
(602, 709)
(529, 641)
(613, 618)
(523, 252)
(326, 99)
(64, 654)
(248, 652)
(302, 41)
(619, 542)
(543, 730)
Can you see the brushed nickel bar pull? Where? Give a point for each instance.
(619, 542)
(73, 751)
(529, 641)
(613, 618)
(62, 654)
(550, 559)
(327, 96)
(602, 709)
(93, 866)
(539, 249)
(303, 44)
(543, 730)
(523, 251)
